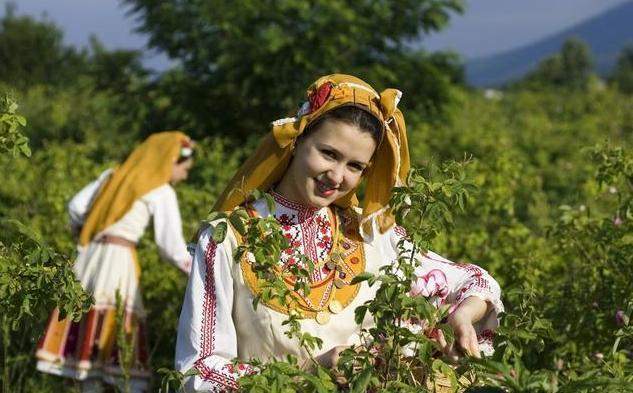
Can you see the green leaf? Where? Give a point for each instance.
(361, 383)
(361, 277)
(237, 221)
(219, 232)
(359, 314)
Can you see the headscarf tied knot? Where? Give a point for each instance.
(390, 165)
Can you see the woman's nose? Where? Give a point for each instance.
(336, 174)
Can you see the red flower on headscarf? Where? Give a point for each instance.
(319, 97)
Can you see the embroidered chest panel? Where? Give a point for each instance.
(330, 239)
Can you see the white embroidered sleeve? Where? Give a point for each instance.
(451, 283)
(207, 340)
(168, 228)
(80, 203)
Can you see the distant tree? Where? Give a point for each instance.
(32, 52)
(577, 63)
(623, 73)
(249, 62)
(571, 68)
(119, 70)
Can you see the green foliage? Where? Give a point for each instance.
(32, 52)
(551, 217)
(256, 58)
(11, 137)
(396, 357)
(623, 74)
(34, 278)
(425, 208)
(597, 248)
(528, 158)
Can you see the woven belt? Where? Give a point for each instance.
(119, 241)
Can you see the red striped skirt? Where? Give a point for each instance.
(91, 347)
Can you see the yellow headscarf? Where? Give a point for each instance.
(148, 167)
(390, 165)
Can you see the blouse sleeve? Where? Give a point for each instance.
(451, 283)
(206, 334)
(80, 203)
(168, 229)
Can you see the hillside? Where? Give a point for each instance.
(606, 34)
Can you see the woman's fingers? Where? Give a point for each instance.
(466, 338)
(447, 349)
(465, 342)
(439, 336)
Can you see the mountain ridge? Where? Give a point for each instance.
(606, 34)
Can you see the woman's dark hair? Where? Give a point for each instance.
(351, 115)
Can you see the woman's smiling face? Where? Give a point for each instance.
(327, 164)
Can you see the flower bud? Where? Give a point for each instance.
(621, 319)
(559, 364)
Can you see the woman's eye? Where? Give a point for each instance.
(328, 153)
(357, 167)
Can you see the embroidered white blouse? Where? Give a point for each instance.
(160, 203)
(218, 322)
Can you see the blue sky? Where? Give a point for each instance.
(487, 26)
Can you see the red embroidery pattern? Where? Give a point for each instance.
(282, 200)
(227, 383)
(307, 229)
(309, 234)
(486, 335)
(238, 368)
(209, 314)
(400, 231)
(478, 283)
(286, 221)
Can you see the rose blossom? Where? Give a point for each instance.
(319, 97)
(621, 318)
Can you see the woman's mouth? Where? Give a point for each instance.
(325, 189)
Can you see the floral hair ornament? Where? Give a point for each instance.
(391, 160)
(186, 149)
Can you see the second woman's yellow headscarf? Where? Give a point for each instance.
(149, 166)
(267, 165)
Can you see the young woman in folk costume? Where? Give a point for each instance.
(110, 215)
(311, 165)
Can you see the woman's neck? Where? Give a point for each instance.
(284, 200)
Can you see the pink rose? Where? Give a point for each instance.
(621, 318)
(431, 284)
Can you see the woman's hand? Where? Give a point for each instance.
(465, 335)
(330, 358)
(461, 320)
